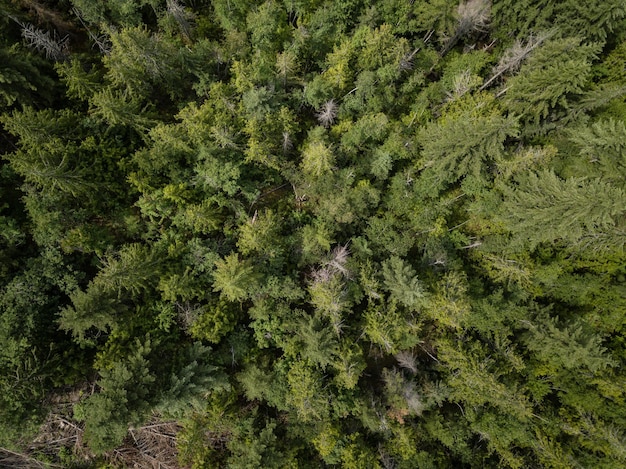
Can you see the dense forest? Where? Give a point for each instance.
(313, 233)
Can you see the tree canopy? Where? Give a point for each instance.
(271, 233)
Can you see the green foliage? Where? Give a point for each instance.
(50, 157)
(215, 321)
(131, 269)
(401, 281)
(192, 378)
(22, 82)
(555, 73)
(317, 156)
(236, 279)
(130, 388)
(138, 59)
(232, 14)
(101, 305)
(80, 83)
(261, 235)
(30, 359)
(268, 27)
(474, 383)
(589, 211)
(118, 12)
(391, 327)
(567, 346)
(116, 108)
(306, 396)
(123, 400)
(400, 226)
(420, 17)
(318, 343)
(328, 294)
(595, 19)
(603, 144)
(463, 145)
(257, 448)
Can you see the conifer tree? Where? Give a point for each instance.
(317, 157)
(554, 74)
(603, 144)
(463, 145)
(567, 346)
(400, 226)
(318, 343)
(401, 281)
(22, 82)
(595, 20)
(235, 278)
(583, 212)
(123, 400)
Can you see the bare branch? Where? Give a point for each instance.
(328, 113)
(406, 62)
(515, 55)
(408, 360)
(51, 45)
(102, 41)
(473, 17)
(183, 17)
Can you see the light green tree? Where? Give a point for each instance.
(236, 279)
(402, 282)
(317, 156)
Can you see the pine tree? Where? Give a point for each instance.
(117, 12)
(257, 447)
(234, 278)
(22, 82)
(318, 342)
(100, 306)
(390, 327)
(566, 346)
(124, 400)
(192, 378)
(604, 145)
(401, 280)
(513, 57)
(583, 212)
(30, 356)
(140, 61)
(261, 234)
(475, 380)
(132, 269)
(81, 84)
(317, 157)
(555, 73)
(92, 312)
(268, 27)
(594, 20)
(214, 321)
(306, 393)
(463, 145)
(118, 108)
